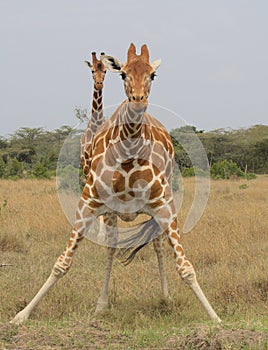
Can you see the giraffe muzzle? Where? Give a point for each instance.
(99, 85)
(138, 104)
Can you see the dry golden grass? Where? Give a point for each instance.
(228, 247)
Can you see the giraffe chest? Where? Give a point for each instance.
(128, 173)
(128, 186)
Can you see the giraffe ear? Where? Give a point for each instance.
(88, 64)
(112, 63)
(156, 64)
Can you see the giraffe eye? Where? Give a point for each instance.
(153, 75)
(123, 75)
(93, 71)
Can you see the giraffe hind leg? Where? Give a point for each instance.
(110, 223)
(158, 247)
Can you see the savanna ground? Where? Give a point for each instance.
(228, 247)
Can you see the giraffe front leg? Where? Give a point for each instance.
(84, 218)
(158, 247)
(110, 223)
(186, 271)
(167, 220)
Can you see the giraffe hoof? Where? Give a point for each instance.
(217, 320)
(167, 298)
(19, 319)
(165, 301)
(101, 307)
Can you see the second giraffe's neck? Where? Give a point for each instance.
(97, 117)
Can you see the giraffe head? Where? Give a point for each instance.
(137, 74)
(98, 70)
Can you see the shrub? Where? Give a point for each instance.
(69, 178)
(243, 186)
(250, 176)
(40, 171)
(13, 169)
(2, 167)
(188, 172)
(225, 170)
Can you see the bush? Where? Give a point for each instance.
(13, 169)
(2, 167)
(40, 171)
(250, 176)
(225, 170)
(188, 172)
(69, 178)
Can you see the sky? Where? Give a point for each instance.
(214, 59)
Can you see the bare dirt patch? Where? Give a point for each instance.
(202, 338)
(64, 337)
(96, 336)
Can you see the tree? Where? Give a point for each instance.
(3, 143)
(261, 156)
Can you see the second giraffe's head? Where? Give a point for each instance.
(137, 74)
(98, 70)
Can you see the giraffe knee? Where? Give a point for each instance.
(60, 269)
(187, 273)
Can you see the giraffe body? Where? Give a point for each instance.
(130, 163)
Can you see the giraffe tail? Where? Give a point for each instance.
(148, 230)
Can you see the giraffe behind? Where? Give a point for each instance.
(97, 118)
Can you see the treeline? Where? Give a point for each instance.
(235, 152)
(34, 152)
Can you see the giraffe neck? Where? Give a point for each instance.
(97, 117)
(130, 122)
(129, 142)
(96, 120)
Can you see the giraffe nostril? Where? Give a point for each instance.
(134, 98)
(142, 98)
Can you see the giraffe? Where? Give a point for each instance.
(97, 118)
(131, 160)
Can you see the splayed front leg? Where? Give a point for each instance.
(188, 275)
(167, 220)
(187, 272)
(84, 218)
(23, 315)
